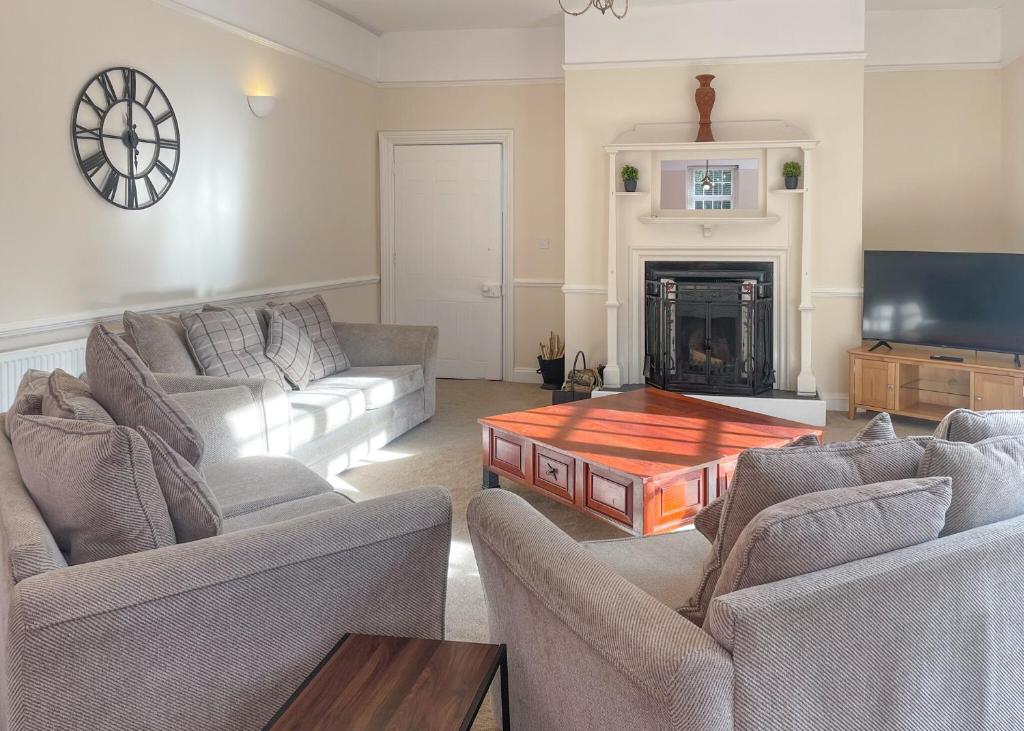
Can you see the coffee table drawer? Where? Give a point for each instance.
(682, 498)
(554, 473)
(609, 494)
(508, 453)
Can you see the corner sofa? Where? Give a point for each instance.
(389, 388)
(217, 632)
(927, 636)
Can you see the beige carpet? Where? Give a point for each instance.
(446, 451)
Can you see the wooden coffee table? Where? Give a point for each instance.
(376, 683)
(646, 461)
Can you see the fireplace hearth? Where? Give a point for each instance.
(709, 327)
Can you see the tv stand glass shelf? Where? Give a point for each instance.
(908, 382)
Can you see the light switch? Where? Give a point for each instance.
(543, 244)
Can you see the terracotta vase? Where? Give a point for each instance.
(705, 98)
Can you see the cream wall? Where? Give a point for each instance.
(933, 160)
(535, 113)
(823, 97)
(1013, 154)
(257, 205)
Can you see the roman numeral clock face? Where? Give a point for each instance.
(125, 137)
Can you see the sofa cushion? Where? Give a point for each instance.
(964, 425)
(312, 315)
(193, 509)
(161, 343)
(28, 399)
(765, 477)
(287, 511)
(127, 389)
(829, 528)
(230, 343)
(67, 397)
(380, 385)
(876, 430)
(668, 567)
(290, 348)
(988, 479)
(94, 485)
(253, 483)
(321, 409)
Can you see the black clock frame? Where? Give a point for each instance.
(91, 165)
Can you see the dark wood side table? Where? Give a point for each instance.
(375, 683)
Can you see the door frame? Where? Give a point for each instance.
(388, 141)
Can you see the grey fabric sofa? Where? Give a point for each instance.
(390, 388)
(927, 637)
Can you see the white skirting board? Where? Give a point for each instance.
(69, 356)
(804, 410)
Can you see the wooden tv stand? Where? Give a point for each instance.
(908, 382)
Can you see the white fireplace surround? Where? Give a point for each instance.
(638, 258)
(780, 233)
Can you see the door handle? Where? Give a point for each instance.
(490, 290)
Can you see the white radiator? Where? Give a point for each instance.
(69, 356)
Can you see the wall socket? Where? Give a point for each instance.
(543, 244)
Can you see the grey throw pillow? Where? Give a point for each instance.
(290, 348)
(765, 477)
(94, 485)
(28, 399)
(194, 511)
(964, 425)
(878, 429)
(312, 315)
(230, 343)
(68, 397)
(988, 479)
(160, 342)
(130, 393)
(832, 527)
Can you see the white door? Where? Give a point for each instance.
(448, 252)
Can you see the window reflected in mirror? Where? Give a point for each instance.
(710, 185)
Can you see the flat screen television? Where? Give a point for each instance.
(969, 301)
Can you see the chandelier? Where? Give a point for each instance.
(603, 5)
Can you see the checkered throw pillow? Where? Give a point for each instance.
(230, 343)
(312, 315)
(290, 348)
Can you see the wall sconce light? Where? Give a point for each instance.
(261, 106)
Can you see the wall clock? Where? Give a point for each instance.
(125, 136)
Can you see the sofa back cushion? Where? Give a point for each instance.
(230, 343)
(312, 315)
(193, 509)
(988, 479)
(964, 425)
(832, 527)
(289, 346)
(130, 393)
(67, 397)
(161, 343)
(28, 399)
(765, 477)
(94, 485)
(877, 430)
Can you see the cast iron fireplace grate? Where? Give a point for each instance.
(709, 327)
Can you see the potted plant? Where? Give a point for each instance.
(791, 171)
(629, 177)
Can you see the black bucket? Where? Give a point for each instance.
(553, 372)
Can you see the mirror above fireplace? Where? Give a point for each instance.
(721, 184)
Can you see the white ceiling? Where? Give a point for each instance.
(385, 16)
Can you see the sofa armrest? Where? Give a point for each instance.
(217, 634)
(585, 644)
(371, 344)
(232, 425)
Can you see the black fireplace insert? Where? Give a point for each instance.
(709, 327)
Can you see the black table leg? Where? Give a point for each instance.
(490, 479)
(506, 724)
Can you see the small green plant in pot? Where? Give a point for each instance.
(791, 171)
(629, 177)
